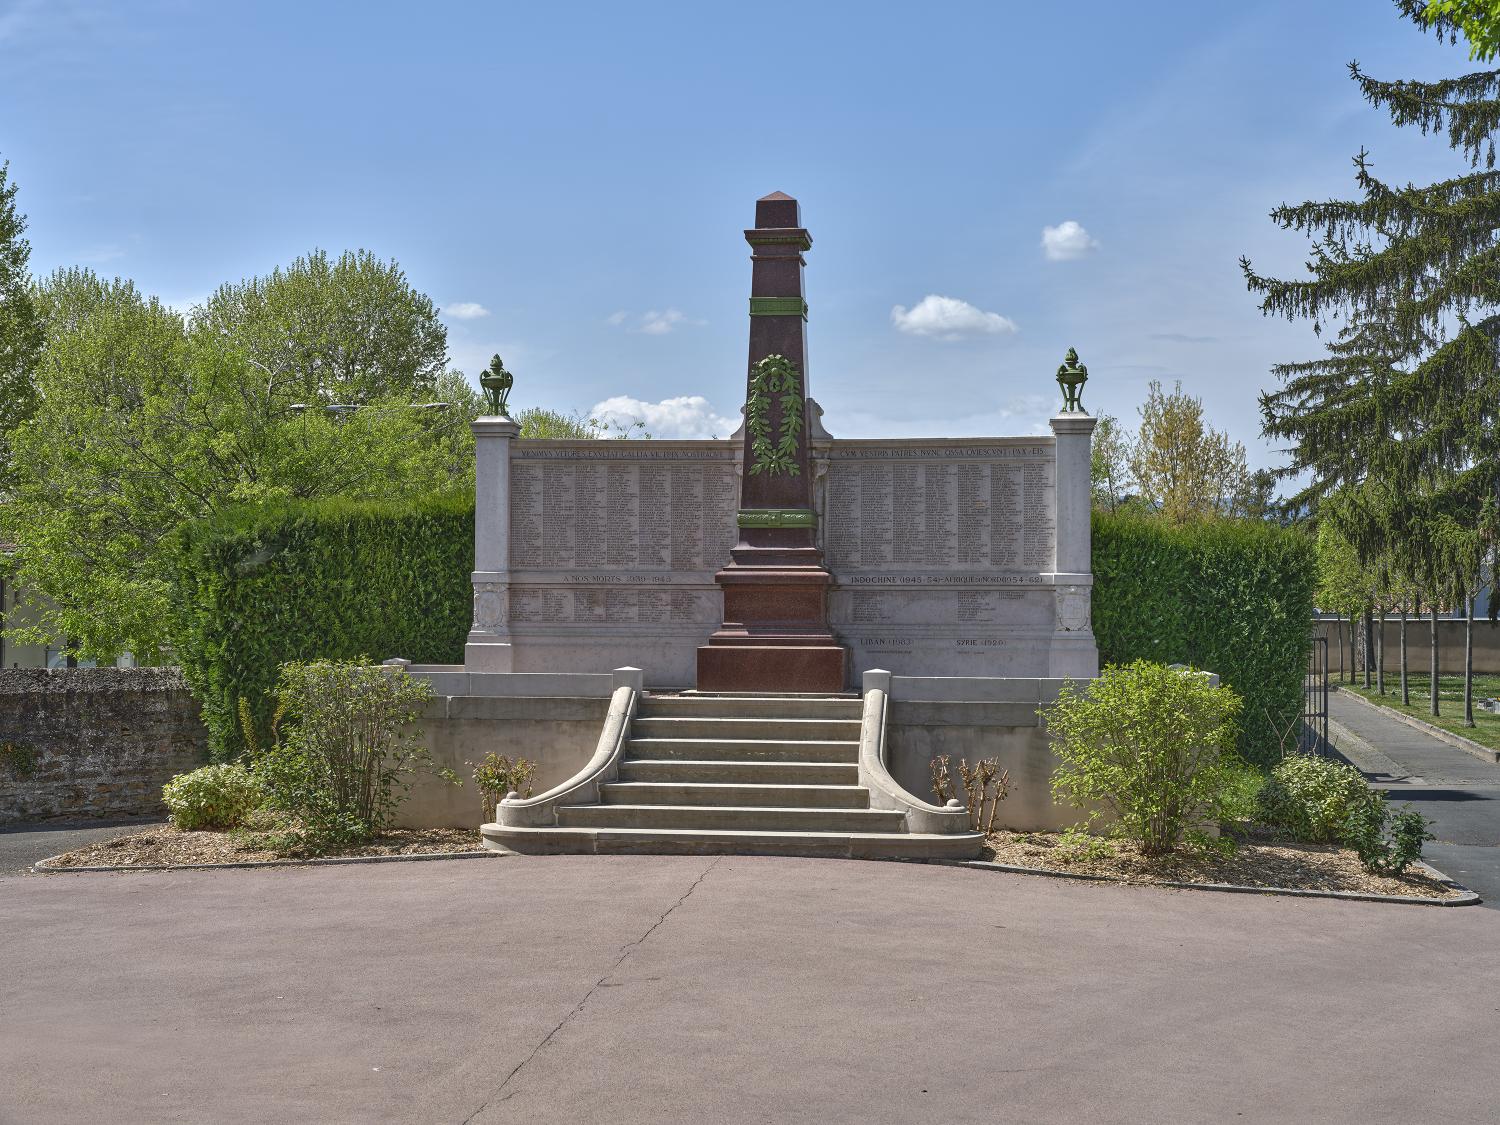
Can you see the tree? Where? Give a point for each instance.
(1183, 467)
(1344, 586)
(1109, 468)
(348, 331)
(538, 422)
(144, 422)
(1408, 396)
(1479, 20)
(20, 326)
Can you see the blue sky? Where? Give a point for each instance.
(575, 178)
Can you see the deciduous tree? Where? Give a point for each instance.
(1110, 466)
(1184, 467)
(144, 422)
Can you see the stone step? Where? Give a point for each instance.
(689, 841)
(751, 773)
(710, 818)
(743, 749)
(769, 729)
(742, 796)
(749, 706)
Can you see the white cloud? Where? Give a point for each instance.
(656, 323)
(465, 310)
(688, 416)
(653, 322)
(948, 318)
(1067, 241)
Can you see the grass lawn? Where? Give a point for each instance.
(1486, 732)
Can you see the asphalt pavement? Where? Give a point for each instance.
(24, 844)
(1458, 792)
(684, 989)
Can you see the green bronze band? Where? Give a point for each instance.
(778, 306)
(777, 517)
(756, 238)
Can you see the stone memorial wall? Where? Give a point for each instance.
(943, 555)
(613, 549)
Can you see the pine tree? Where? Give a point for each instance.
(1408, 395)
(20, 326)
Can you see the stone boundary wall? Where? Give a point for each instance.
(1418, 645)
(93, 742)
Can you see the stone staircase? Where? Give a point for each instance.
(735, 774)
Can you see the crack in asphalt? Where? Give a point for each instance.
(629, 948)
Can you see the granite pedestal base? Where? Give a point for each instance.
(775, 635)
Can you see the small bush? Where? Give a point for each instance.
(212, 798)
(1242, 792)
(498, 775)
(1365, 832)
(985, 786)
(342, 769)
(1153, 745)
(1311, 798)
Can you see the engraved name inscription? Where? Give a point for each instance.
(587, 512)
(967, 508)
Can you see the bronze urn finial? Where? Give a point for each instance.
(1071, 377)
(496, 382)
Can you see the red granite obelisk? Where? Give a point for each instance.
(775, 635)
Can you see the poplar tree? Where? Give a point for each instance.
(20, 326)
(1408, 394)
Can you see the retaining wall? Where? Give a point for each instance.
(93, 742)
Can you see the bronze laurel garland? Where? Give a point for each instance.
(775, 375)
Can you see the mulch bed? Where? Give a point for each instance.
(1255, 863)
(166, 846)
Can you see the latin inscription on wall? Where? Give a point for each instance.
(960, 508)
(617, 534)
(939, 551)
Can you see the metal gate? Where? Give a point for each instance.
(1312, 737)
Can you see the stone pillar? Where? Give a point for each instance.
(1075, 447)
(1074, 651)
(775, 634)
(488, 648)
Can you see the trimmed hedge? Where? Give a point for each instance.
(328, 580)
(1231, 596)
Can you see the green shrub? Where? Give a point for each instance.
(264, 585)
(1311, 798)
(1232, 596)
(213, 797)
(342, 766)
(498, 775)
(1366, 834)
(1154, 746)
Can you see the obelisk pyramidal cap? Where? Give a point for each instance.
(775, 635)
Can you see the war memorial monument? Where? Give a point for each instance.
(787, 625)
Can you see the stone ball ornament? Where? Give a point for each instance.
(1071, 376)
